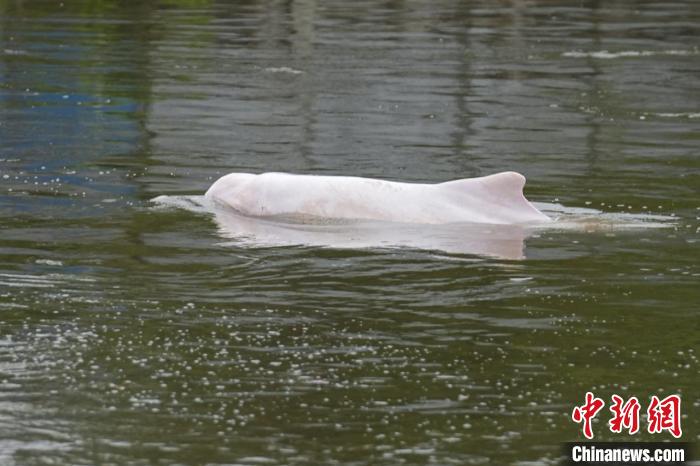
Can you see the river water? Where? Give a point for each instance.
(136, 333)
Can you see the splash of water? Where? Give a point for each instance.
(501, 241)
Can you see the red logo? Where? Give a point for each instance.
(624, 415)
(665, 415)
(587, 412)
(662, 415)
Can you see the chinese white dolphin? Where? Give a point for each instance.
(494, 199)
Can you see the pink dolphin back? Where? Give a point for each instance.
(493, 199)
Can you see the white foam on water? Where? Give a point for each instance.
(197, 204)
(587, 219)
(48, 262)
(606, 55)
(283, 69)
(14, 52)
(27, 281)
(677, 115)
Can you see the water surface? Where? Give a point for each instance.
(137, 335)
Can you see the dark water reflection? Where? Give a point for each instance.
(132, 335)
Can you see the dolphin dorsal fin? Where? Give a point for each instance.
(506, 187)
(500, 195)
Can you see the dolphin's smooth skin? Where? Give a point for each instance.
(495, 199)
(501, 241)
